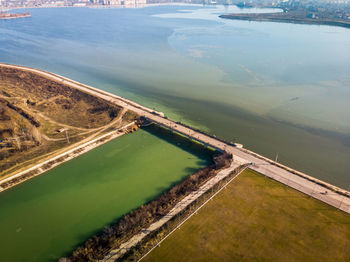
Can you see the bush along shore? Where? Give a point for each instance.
(98, 246)
(154, 238)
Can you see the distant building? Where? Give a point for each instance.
(125, 3)
(61, 130)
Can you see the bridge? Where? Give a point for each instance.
(330, 194)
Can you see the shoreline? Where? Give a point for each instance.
(178, 208)
(57, 160)
(10, 16)
(266, 18)
(338, 197)
(313, 187)
(107, 6)
(256, 17)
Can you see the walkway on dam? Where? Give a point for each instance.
(179, 207)
(318, 189)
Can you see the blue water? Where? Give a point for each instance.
(276, 88)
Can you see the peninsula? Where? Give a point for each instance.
(298, 12)
(45, 122)
(40, 109)
(289, 17)
(6, 15)
(113, 105)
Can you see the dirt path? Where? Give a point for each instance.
(63, 125)
(65, 156)
(116, 121)
(337, 197)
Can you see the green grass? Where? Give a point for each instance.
(258, 219)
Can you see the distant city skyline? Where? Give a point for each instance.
(136, 3)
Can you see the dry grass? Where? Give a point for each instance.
(55, 100)
(25, 96)
(258, 219)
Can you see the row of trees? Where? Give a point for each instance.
(27, 116)
(99, 245)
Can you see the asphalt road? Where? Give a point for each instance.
(290, 177)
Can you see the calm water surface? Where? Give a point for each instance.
(47, 217)
(276, 88)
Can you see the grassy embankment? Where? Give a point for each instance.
(258, 219)
(33, 109)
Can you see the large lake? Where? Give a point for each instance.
(276, 88)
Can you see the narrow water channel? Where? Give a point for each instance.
(47, 217)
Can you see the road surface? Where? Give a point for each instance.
(318, 189)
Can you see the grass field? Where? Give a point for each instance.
(258, 219)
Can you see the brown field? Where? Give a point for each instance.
(258, 219)
(33, 109)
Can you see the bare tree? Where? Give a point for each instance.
(36, 135)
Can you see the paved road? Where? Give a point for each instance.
(295, 179)
(118, 252)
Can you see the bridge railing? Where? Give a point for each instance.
(196, 130)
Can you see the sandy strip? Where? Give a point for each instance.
(65, 156)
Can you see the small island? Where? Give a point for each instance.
(5, 15)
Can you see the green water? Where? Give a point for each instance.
(48, 216)
(274, 87)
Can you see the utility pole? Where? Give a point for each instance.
(313, 189)
(67, 137)
(343, 199)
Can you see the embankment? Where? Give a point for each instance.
(135, 222)
(40, 168)
(302, 182)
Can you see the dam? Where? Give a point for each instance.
(313, 187)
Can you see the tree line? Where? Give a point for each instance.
(99, 245)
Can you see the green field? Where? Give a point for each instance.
(258, 219)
